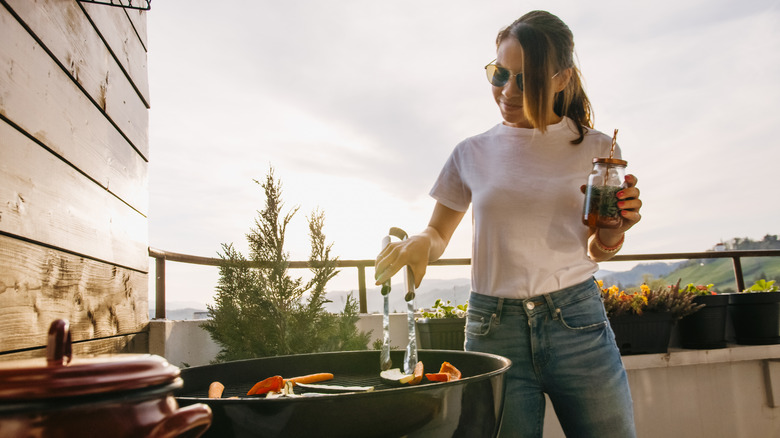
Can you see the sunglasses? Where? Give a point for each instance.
(499, 76)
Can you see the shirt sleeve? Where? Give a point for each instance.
(450, 188)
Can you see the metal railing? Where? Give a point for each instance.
(161, 257)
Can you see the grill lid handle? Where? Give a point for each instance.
(59, 348)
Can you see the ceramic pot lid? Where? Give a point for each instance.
(60, 375)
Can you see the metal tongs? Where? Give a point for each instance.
(410, 358)
(385, 363)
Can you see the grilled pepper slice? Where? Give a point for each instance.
(275, 384)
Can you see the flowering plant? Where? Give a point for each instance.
(699, 290)
(763, 286)
(445, 309)
(664, 299)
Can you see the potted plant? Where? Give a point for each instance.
(755, 313)
(642, 321)
(443, 326)
(706, 328)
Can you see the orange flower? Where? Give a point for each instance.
(663, 299)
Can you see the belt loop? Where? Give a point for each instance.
(551, 306)
(499, 306)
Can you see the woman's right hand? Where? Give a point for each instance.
(419, 250)
(413, 251)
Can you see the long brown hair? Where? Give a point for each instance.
(548, 48)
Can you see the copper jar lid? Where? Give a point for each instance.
(60, 375)
(615, 161)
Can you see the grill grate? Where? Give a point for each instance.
(239, 389)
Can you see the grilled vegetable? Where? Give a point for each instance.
(215, 390)
(277, 383)
(334, 389)
(395, 376)
(310, 378)
(447, 373)
(438, 377)
(286, 391)
(448, 368)
(418, 374)
(271, 384)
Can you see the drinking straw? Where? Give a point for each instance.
(611, 153)
(614, 141)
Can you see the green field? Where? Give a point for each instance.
(720, 272)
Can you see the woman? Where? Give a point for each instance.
(533, 296)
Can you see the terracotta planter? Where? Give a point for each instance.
(127, 395)
(706, 328)
(756, 317)
(441, 333)
(642, 334)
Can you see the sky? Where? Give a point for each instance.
(357, 104)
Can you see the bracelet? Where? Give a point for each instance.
(609, 249)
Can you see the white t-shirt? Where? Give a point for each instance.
(528, 235)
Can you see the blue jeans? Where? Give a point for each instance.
(560, 344)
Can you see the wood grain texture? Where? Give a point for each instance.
(138, 18)
(45, 200)
(137, 343)
(63, 28)
(39, 285)
(115, 27)
(43, 101)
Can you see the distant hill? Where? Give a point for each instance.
(636, 275)
(181, 310)
(456, 290)
(720, 272)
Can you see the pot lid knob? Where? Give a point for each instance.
(59, 350)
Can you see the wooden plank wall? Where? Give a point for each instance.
(74, 151)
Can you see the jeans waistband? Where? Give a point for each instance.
(548, 302)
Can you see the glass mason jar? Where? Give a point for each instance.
(605, 180)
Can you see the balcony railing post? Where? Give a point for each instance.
(159, 288)
(738, 273)
(362, 288)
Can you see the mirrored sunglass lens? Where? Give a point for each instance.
(497, 75)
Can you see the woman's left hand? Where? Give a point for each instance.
(629, 204)
(608, 241)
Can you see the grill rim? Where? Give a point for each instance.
(184, 395)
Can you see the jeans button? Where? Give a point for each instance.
(530, 305)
